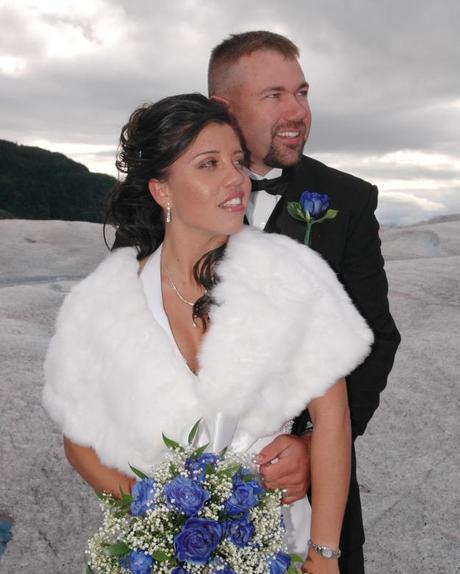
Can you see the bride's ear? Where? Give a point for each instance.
(158, 190)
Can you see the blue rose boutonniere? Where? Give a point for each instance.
(311, 208)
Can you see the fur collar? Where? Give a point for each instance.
(283, 331)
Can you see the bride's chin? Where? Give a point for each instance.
(229, 226)
(236, 228)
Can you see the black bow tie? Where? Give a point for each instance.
(275, 186)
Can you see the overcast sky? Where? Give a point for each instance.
(384, 76)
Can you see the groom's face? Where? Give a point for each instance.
(269, 99)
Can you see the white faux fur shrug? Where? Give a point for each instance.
(284, 330)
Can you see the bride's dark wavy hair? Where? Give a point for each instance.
(155, 136)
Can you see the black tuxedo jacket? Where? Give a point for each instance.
(350, 244)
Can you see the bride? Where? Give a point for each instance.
(204, 318)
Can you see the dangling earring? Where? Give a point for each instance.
(168, 213)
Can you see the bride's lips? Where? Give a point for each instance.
(233, 202)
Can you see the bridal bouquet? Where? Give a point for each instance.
(196, 513)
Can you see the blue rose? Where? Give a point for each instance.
(197, 540)
(139, 562)
(197, 466)
(143, 493)
(314, 203)
(239, 531)
(280, 563)
(185, 495)
(249, 476)
(245, 495)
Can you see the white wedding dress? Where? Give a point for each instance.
(223, 431)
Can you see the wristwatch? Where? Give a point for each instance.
(324, 551)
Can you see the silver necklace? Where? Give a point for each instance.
(179, 294)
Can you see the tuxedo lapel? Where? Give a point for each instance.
(280, 221)
(272, 225)
(327, 237)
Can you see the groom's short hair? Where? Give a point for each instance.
(229, 52)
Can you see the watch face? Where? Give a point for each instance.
(326, 552)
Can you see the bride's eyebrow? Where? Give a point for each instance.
(206, 152)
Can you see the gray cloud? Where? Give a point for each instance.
(384, 75)
(406, 209)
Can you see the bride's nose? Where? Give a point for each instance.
(234, 174)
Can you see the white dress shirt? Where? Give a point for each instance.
(261, 204)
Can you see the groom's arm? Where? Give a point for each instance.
(363, 276)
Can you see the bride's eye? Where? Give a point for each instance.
(240, 157)
(211, 162)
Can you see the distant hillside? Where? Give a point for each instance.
(39, 184)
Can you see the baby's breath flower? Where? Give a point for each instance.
(154, 530)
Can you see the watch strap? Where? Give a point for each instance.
(325, 551)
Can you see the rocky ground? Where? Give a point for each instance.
(408, 459)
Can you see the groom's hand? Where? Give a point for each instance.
(285, 464)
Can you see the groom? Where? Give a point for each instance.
(258, 77)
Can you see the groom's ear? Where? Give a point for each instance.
(222, 101)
